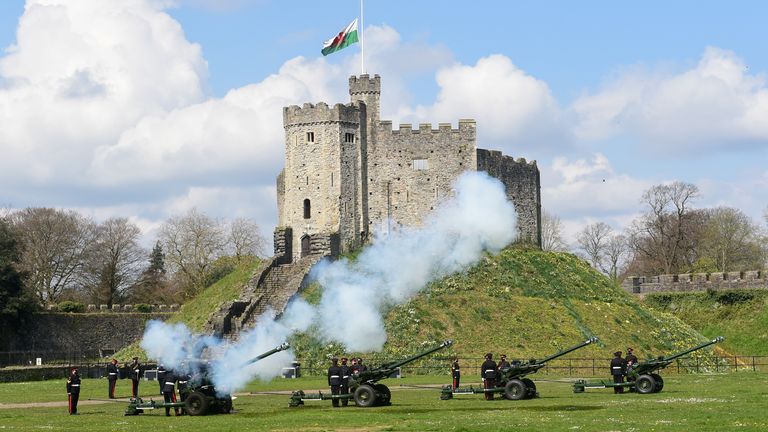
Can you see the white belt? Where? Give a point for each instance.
(113, 373)
(490, 370)
(345, 376)
(616, 367)
(182, 382)
(334, 376)
(167, 382)
(75, 385)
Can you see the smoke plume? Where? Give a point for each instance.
(355, 294)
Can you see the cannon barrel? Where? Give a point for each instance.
(593, 339)
(398, 363)
(274, 350)
(696, 348)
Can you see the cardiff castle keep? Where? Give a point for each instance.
(349, 175)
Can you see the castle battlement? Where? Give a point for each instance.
(321, 113)
(465, 125)
(497, 157)
(755, 279)
(364, 84)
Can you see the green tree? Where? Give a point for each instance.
(15, 304)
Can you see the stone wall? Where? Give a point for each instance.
(522, 183)
(412, 170)
(87, 332)
(696, 282)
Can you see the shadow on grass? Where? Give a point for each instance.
(562, 408)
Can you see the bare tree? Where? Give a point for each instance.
(615, 257)
(731, 240)
(552, 232)
(114, 263)
(192, 243)
(245, 239)
(592, 240)
(665, 235)
(54, 244)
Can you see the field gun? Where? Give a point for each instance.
(511, 381)
(643, 376)
(201, 396)
(364, 387)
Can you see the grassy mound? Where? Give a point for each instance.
(739, 315)
(195, 312)
(525, 303)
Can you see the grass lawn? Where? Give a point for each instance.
(688, 402)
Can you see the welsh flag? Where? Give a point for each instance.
(345, 38)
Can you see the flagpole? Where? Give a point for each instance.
(362, 41)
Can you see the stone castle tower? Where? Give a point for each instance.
(348, 174)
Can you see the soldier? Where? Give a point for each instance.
(630, 358)
(161, 376)
(503, 363)
(73, 390)
(455, 372)
(618, 370)
(354, 368)
(488, 374)
(112, 375)
(134, 370)
(169, 390)
(334, 380)
(346, 371)
(360, 366)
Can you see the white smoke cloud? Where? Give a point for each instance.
(392, 270)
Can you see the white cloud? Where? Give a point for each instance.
(717, 104)
(589, 188)
(514, 111)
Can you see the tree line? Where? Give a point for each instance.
(52, 255)
(671, 236)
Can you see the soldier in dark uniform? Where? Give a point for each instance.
(503, 363)
(169, 390)
(112, 375)
(488, 374)
(334, 380)
(630, 358)
(360, 366)
(346, 371)
(134, 370)
(182, 384)
(455, 372)
(618, 370)
(353, 367)
(73, 390)
(161, 376)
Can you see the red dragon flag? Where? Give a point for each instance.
(345, 38)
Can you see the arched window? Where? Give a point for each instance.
(307, 209)
(305, 245)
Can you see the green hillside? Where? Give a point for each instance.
(739, 315)
(525, 303)
(195, 312)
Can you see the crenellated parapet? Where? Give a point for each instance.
(321, 113)
(364, 84)
(756, 279)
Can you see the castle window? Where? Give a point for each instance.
(420, 164)
(331, 179)
(310, 137)
(307, 209)
(349, 137)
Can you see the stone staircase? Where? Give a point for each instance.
(271, 287)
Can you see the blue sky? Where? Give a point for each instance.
(635, 94)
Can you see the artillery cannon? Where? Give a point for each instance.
(364, 387)
(511, 381)
(201, 397)
(642, 377)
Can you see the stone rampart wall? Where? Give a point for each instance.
(757, 279)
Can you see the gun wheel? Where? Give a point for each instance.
(530, 388)
(196, 404)
(383, 395)
(365, 396)
(515, 390)
(659, 382)
(645, 384)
